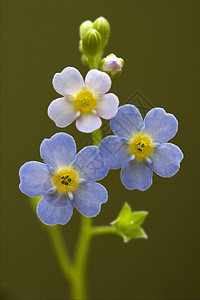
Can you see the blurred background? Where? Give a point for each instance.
(159, 41)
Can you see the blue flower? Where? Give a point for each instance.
(65, 180)
(140, 147)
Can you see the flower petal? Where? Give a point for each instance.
(114, 151)
(127, 121)
(160, 125)
(107, 106)
(62, 112)
(88, 122)
(69, 82)
(166, 159)
(89, 197)
(137, 175)
(35, 179)
(52, 214)
(58, 151)
(97, 82)
(89, 164)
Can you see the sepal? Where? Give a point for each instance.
(128, 223)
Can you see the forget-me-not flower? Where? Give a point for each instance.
(83, 101)
(65, 180)
(140, 147)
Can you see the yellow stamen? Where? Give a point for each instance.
(85, 101)
(140, 146)
(66, 180)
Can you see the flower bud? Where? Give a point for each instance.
(80, 46)
(84, 27)
(84, 59)
(112, 65)
(103, 27)
(91, 43)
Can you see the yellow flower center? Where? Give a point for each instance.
(66, 180)
(85, 101)
(140, 146)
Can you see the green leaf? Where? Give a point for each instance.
(128, 223)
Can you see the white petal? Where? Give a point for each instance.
(69, 82)
(107, 107)
(97, 82)
(62, 112)
(88, 122)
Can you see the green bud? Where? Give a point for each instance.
(91, 43)
(84, 27)
(84, 60)
(80, 46)
(128, 223)
(103, 27)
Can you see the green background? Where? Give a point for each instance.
(159, 41)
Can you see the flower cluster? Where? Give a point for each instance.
(140, 147)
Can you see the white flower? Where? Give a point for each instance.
(82, 101)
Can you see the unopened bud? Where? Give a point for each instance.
(84, 59)
(80, 46)
(103, 27)
(91, 43)
(84, 27)
(112, 65)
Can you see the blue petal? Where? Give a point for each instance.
(35, 179)
(166, 160)
(160, 125)
(137, 175)
(114, 151)
(89, 164)
(89, 197)
(127, 121)
(58, 151)
(55, 209)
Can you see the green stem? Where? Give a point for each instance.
(75, 272)
(58, 243)
(94, 61)
(97, 137)
(60, 249)
(79, 290)
(102, 230)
